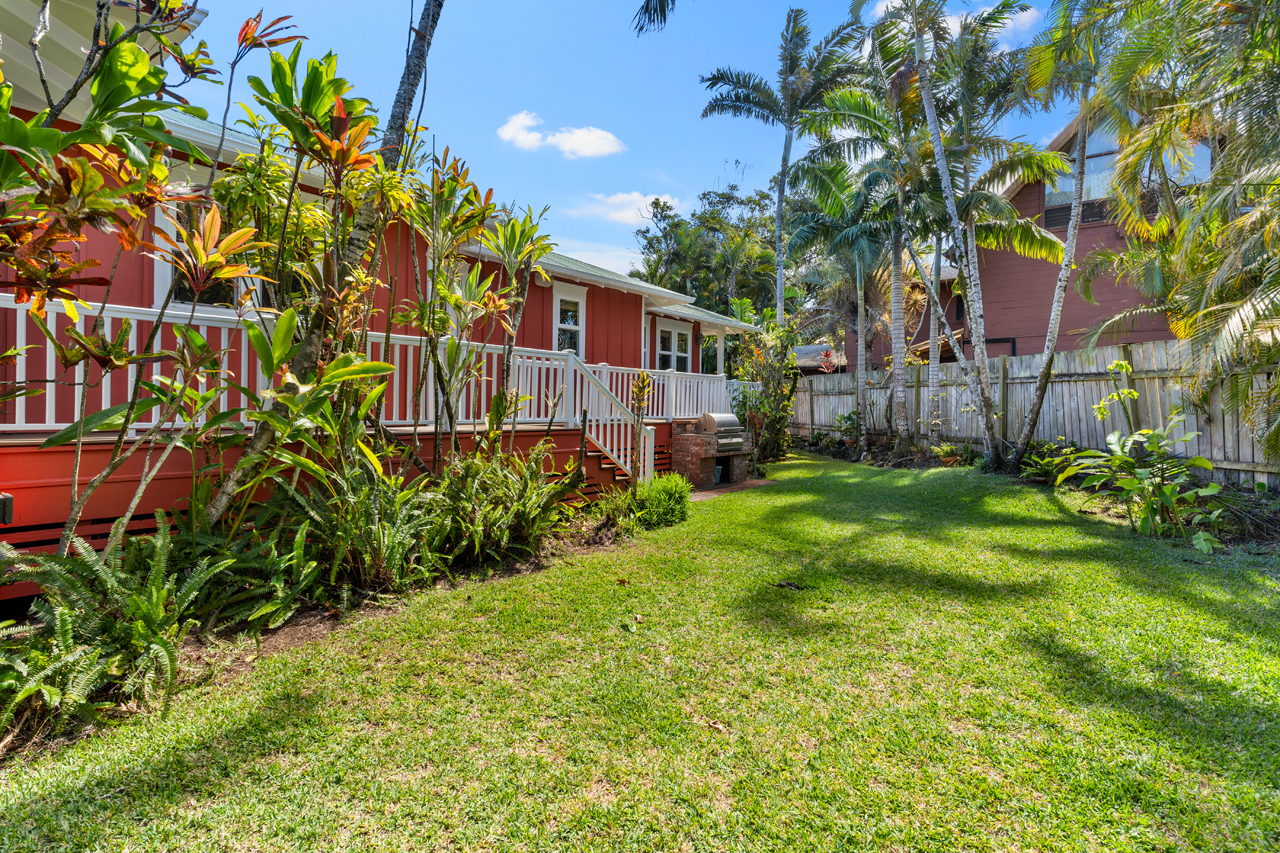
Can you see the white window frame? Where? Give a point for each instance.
(562, 290)
(162, 282)
(676, 328)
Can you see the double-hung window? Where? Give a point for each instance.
(569, 318)
(675, 348)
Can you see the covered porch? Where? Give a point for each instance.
(556, 389)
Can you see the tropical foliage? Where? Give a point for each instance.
(315, 502)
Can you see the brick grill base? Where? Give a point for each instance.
(694, 456)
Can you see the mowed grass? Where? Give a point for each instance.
(973, 665)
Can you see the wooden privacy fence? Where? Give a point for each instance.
(1080, 380)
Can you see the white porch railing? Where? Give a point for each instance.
(673, 395)
(555, 387)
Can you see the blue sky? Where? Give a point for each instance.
(558, 103)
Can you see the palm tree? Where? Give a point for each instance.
(881, 125)
(1208, 72)
(930, 24)
(857, 247)
(983, 88)
(878, 191)
(805, 76)
(1066, 61)
(652, 15)
(739, 251)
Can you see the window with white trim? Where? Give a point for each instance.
(675, 348)
(218, 298)
(569, 318)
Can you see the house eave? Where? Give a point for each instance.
(62, 50)
(656, 295)
(1056, 144)
(713, 323)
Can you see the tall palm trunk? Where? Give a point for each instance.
(780, 247)
(1059, 292)
(861, 377)
(932, 408)
(311, 348)
(968, 255)
(898, 338)
(733, 286)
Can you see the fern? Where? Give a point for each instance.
(107, 622)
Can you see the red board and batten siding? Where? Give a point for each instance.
(40, 480)
(1017, 292)
(613, 317)
(612, 334)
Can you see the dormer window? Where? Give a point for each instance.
(1099, 164)
(1101, 151)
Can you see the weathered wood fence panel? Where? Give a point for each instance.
(1080, 380)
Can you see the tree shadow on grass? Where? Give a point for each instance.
(1212, 722)
(942, 506)
(788, 604)
(78, 811)
(969, 514)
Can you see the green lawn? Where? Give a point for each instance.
(974, 665)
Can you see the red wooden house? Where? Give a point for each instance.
(584, 337)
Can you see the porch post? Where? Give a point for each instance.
(720, 353)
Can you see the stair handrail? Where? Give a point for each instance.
(624, 417)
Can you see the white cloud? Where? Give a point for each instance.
(573, 142)
(624, 208)
(1021, 28)
(617, 258)
(517, 131)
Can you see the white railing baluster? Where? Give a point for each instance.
(20, 372)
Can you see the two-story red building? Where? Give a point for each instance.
(1017, 292)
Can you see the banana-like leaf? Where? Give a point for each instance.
(105, 420)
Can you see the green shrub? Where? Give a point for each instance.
(1154, 485)
(849, 426)
(663, 501)
(493, 506)
(1045, 460)
(265, 583)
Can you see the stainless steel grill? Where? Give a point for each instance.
(730, 437)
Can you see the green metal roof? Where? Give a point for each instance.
(702, 315)
(213, 128)
(599, 272)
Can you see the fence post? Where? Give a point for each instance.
(1004, 398)
(812, 421)
(1126, 381)
(915, 402)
